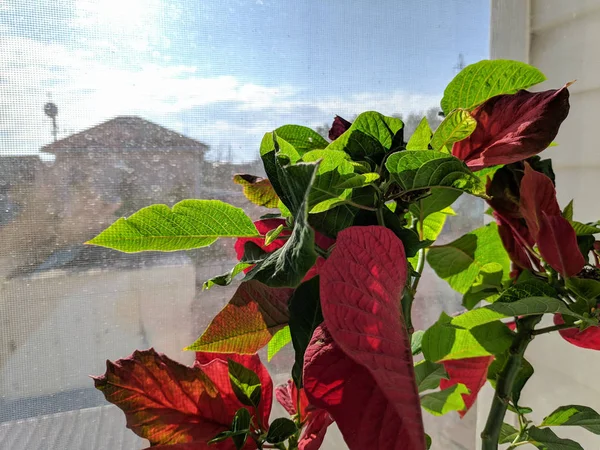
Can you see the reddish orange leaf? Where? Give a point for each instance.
(588, 338)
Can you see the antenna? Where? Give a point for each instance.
(51, 110)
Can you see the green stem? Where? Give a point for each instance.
(410, 292)
(504, 385)
(379, 213)
(562, 326)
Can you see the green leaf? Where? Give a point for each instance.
(305, 316)
(421, 137)
(423, 169)
(529, 288)
(485, 79)
(190, 224)
(568, 211)
(445, 341)
(280, 430)
(434, 223)
(486, 286)
(258, 190)
(378, 126)
(240, 427)
(273, 234)
(585, 229)
(460, 262)
(359, 180)
(508, 434)
(526, 307)
(416, 340)
(428, 375)
(427, 441)
(303, 139)
(286, 266)
(438, 200)
(245, 384)
(279, 340)
(545, 439)
(445, 401)
(523, 375)
(574, 415)
(270, 147)
(457, 125)
(227, 278)
(586, 289)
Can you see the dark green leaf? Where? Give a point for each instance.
(359, 180)
(421, 136)
(529, 288)
(245, 384)
(523, 375)
(457, 125)
(445, 401)
(443, 341)
(286, 266)
(428, 375)
(460, 262)
(189, 224)
(270, 147)
(586, 289)
(427, 441)
(303, 139)
(305, 316)
(280, 430)
(485, 79)
(545, 439)
(438, 200)
(584, 229)
(240, 426)
(574, 415)
(423, 169)
(508, 434)
(586, 244)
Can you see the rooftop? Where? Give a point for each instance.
(125, 133)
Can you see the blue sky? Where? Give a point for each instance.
(226, 71)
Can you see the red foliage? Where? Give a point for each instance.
(361, 285)
(588, 338)
(339, 126)
(169, 403)
(511, 128)
(472, 372)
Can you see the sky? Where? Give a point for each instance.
(225, 71)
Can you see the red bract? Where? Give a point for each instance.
(513, 127)
(169, 403)
(339, 126)
(361, 285)
(554, 235)
(516, 240)
(315, 420)
(588, 338)
(472, 372)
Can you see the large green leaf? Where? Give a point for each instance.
(445, 401)
(305, 316)
(526, 307)
(445, 341)
(574, 415)
(433, 224)
(457, 125)
(279, 340)
(546, 439)
(428, 375)
(461, 261)
(287, 266)
(414, 169)
(190, 224)
(485, 79)
(245, 384)
(303, 139)
(421, 137)
(527, 288)
(438, 200)
(270, 147)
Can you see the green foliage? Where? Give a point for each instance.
(460, 262)
(508, 434)
(273, 234)
(445, 401)
(303, 139)
(240, 428)
(190, 224)
(245, 384)
(280, 430)
(414, 170)
(421, 137)
(457, 125)
(428, 375)
(545, 439)
(485, 79)
(416, 340)
(227, 278)
(574, 415)
(279, 340)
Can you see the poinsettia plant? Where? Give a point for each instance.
(335, 272)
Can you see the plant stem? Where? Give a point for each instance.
(562, 326)
(379, 213)
(410, 292)
(504, 385)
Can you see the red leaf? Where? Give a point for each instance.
(164, 401)
(514, 127)
(516, 240)
(557, 244)
(588, 338)
(215, 366)
(538, 197)
(248, 321)
(472, 372)
(338, 127)
(362, 410)
(287, 396)
(361, 285)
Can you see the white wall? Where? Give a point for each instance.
(562, 39)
